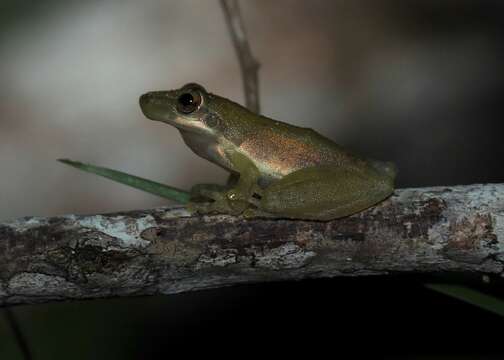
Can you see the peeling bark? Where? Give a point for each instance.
(166, 251)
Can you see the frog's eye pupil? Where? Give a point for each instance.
(186, 99)
(188, 102)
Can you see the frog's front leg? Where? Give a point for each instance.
(232, 198)
(323, 193)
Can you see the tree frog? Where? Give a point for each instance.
(276, 169)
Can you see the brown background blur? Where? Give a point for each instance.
(416, 82)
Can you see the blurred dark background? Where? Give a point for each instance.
(415, 82)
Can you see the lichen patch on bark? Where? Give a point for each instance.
(471, 233)
(125, 229)
(286, 256)
(35, 284)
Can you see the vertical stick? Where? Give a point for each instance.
(248, 64)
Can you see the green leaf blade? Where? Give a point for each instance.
(471, 296)
(152, 187)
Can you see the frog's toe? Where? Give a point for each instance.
(208, 191)
(214, 195)
(253, 212)
(199, 207)
(194, 208)
(204, 208)
(217, 207)
(249, 213)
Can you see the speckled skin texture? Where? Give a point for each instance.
(283, 169)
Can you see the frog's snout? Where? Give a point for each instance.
(146, 104)
(151, 97)
(154, 104)
(144, 99)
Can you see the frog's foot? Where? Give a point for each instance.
(254, 212)
(208, 192)
(222, 200)
(208, 198)
(222, 206)
(207, 207)
(252, 195)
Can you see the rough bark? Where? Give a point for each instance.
(166, 251)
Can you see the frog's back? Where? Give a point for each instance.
(278, 149)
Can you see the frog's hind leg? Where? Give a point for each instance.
(325, 192)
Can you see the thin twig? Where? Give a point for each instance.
(248, 64)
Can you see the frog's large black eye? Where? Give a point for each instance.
(189, 102)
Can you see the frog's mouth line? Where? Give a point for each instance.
(180, 123)
(189, 125)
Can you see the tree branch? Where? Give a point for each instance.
(248, 64)
(166, 251)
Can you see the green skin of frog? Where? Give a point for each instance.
(276, 169)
